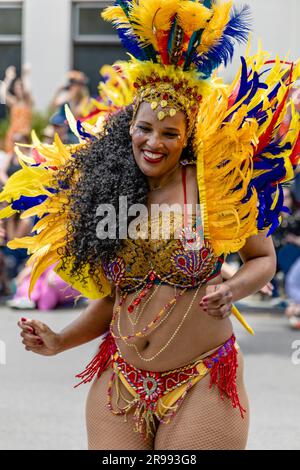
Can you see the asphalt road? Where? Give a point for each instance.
(39, 409)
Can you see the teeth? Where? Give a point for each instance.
(152, 156)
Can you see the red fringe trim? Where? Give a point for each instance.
(223, 375)
(100, 362)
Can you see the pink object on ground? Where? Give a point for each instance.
(47, 296)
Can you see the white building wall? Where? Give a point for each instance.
(47, 45)
(48, 39)
(275, 23)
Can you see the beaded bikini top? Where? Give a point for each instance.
(169, 259)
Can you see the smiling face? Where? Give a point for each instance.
(157, 145)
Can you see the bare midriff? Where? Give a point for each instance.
(174, 340)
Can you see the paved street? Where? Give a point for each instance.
(40, 410)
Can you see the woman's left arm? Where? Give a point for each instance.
(259, 267)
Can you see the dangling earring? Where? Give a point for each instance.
(188, 162)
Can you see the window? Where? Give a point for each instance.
(10, 20)
(10, 35)
(95, 41)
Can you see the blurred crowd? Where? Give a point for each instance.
(15, 92)
(50, 291)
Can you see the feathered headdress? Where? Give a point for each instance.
(175, 46)
(115, 92)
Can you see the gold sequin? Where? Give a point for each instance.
(161, 115)
(163, 103)
(154, 105)
(172, 112)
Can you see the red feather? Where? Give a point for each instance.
(162, 43)
(266, 137)
(295, 155)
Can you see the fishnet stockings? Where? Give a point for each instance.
(105, 430)
(203, 421)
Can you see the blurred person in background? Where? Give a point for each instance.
(286, 237)
(59, 125)
(15, 93)
(48, 135)
(292, 286)
(74, 93)
(12, 261)
(49, 292)
(10, 163)
(4, 281)
(16, 227)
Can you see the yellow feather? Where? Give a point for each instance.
(35, 140)
(7, 212)
(150, 17)
(215, 28)
(47, 259)
(241, 319)
(25, 242)
(72, 122)
(92, 290)
(116, 15)
(23, 157)
(193, 16)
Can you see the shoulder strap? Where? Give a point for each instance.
(183, 174)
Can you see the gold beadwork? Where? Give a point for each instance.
(149, 359)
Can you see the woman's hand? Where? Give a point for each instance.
(218, 301)
(11, 73)
(39, 338)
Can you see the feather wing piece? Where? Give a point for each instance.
(243, 161)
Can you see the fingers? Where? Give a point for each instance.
(215, 293)
(31, 339)
(217, 301)
(35, 349)
(220, 312)
(36, 326)
(25, 326)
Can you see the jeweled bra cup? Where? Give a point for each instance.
(171, 262)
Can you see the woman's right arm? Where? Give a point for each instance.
(92, 323)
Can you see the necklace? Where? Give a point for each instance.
(162, 312)
(149, 359)
(156, 188)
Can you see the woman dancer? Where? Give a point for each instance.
(169, 361)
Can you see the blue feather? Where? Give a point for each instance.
(276, 149)
(26, 202)
(83, 134)
(130, 43)
(124, 4)
(245, 85)
(238, 26)
(237, 29)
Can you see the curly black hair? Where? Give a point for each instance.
(99, 173)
